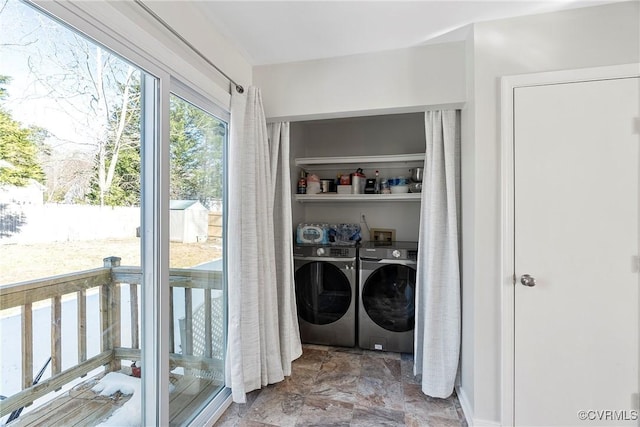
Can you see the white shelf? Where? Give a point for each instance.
(334, 197)
(400, 159)
(389, 162)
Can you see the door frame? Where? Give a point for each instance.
(507, 269)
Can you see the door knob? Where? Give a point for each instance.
(528, 280)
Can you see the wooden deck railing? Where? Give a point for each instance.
(109, 281)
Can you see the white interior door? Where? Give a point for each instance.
(576, 158)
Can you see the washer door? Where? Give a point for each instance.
(388, 297)
(323, 292)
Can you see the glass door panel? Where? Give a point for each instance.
(70, 188)
(198, 320)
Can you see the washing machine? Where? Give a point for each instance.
(387, 291)
(326, 286)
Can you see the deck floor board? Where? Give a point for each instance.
(83, 407)
(32, 419)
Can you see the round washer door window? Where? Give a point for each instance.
(323, 293)
(388, 297)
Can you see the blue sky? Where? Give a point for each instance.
(26, 36)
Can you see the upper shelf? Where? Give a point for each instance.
(333, 197)
(390, 160)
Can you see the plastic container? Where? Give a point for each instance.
(344, 234)
(384, 183)
(397, 189)
(398, 180)
(313, 184)
(317, 234)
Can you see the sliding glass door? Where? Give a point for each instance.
(112, 230)
(70, 216)
(196, 228)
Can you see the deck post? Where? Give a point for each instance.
(106, 343)
(110, 313)
(111, 261)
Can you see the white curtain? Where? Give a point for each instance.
(290, 346)
(437, 330)
(263, 329)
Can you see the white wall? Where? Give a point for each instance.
(362, 136)
(588, 37)
(192, 23)
(359, 84)
(466, 370)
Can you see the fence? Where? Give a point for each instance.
(61, 223)
(55, 223)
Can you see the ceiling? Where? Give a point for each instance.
(268, 32)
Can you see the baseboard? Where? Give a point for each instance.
(468, 411)
(485, 423)
(465, 404)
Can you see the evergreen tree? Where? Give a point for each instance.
(19, 148)
(197, 149)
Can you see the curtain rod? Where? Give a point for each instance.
(239, 88)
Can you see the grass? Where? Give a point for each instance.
(19, 262)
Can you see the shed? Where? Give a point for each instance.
(188, 221)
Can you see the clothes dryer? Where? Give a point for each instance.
(326, 286)
(387, 290)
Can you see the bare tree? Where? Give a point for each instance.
(106, 163)
(91, 85)
(68, 176)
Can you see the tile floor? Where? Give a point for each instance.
(334, 386)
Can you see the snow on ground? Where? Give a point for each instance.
(128, 414)
(115, 382)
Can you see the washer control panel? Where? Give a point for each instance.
(304, 251)
(390, 250)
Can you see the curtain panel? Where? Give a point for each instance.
(263, 329)
(438, 321)
(290, 345)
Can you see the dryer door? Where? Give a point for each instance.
(323, 291)
(388, 296)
